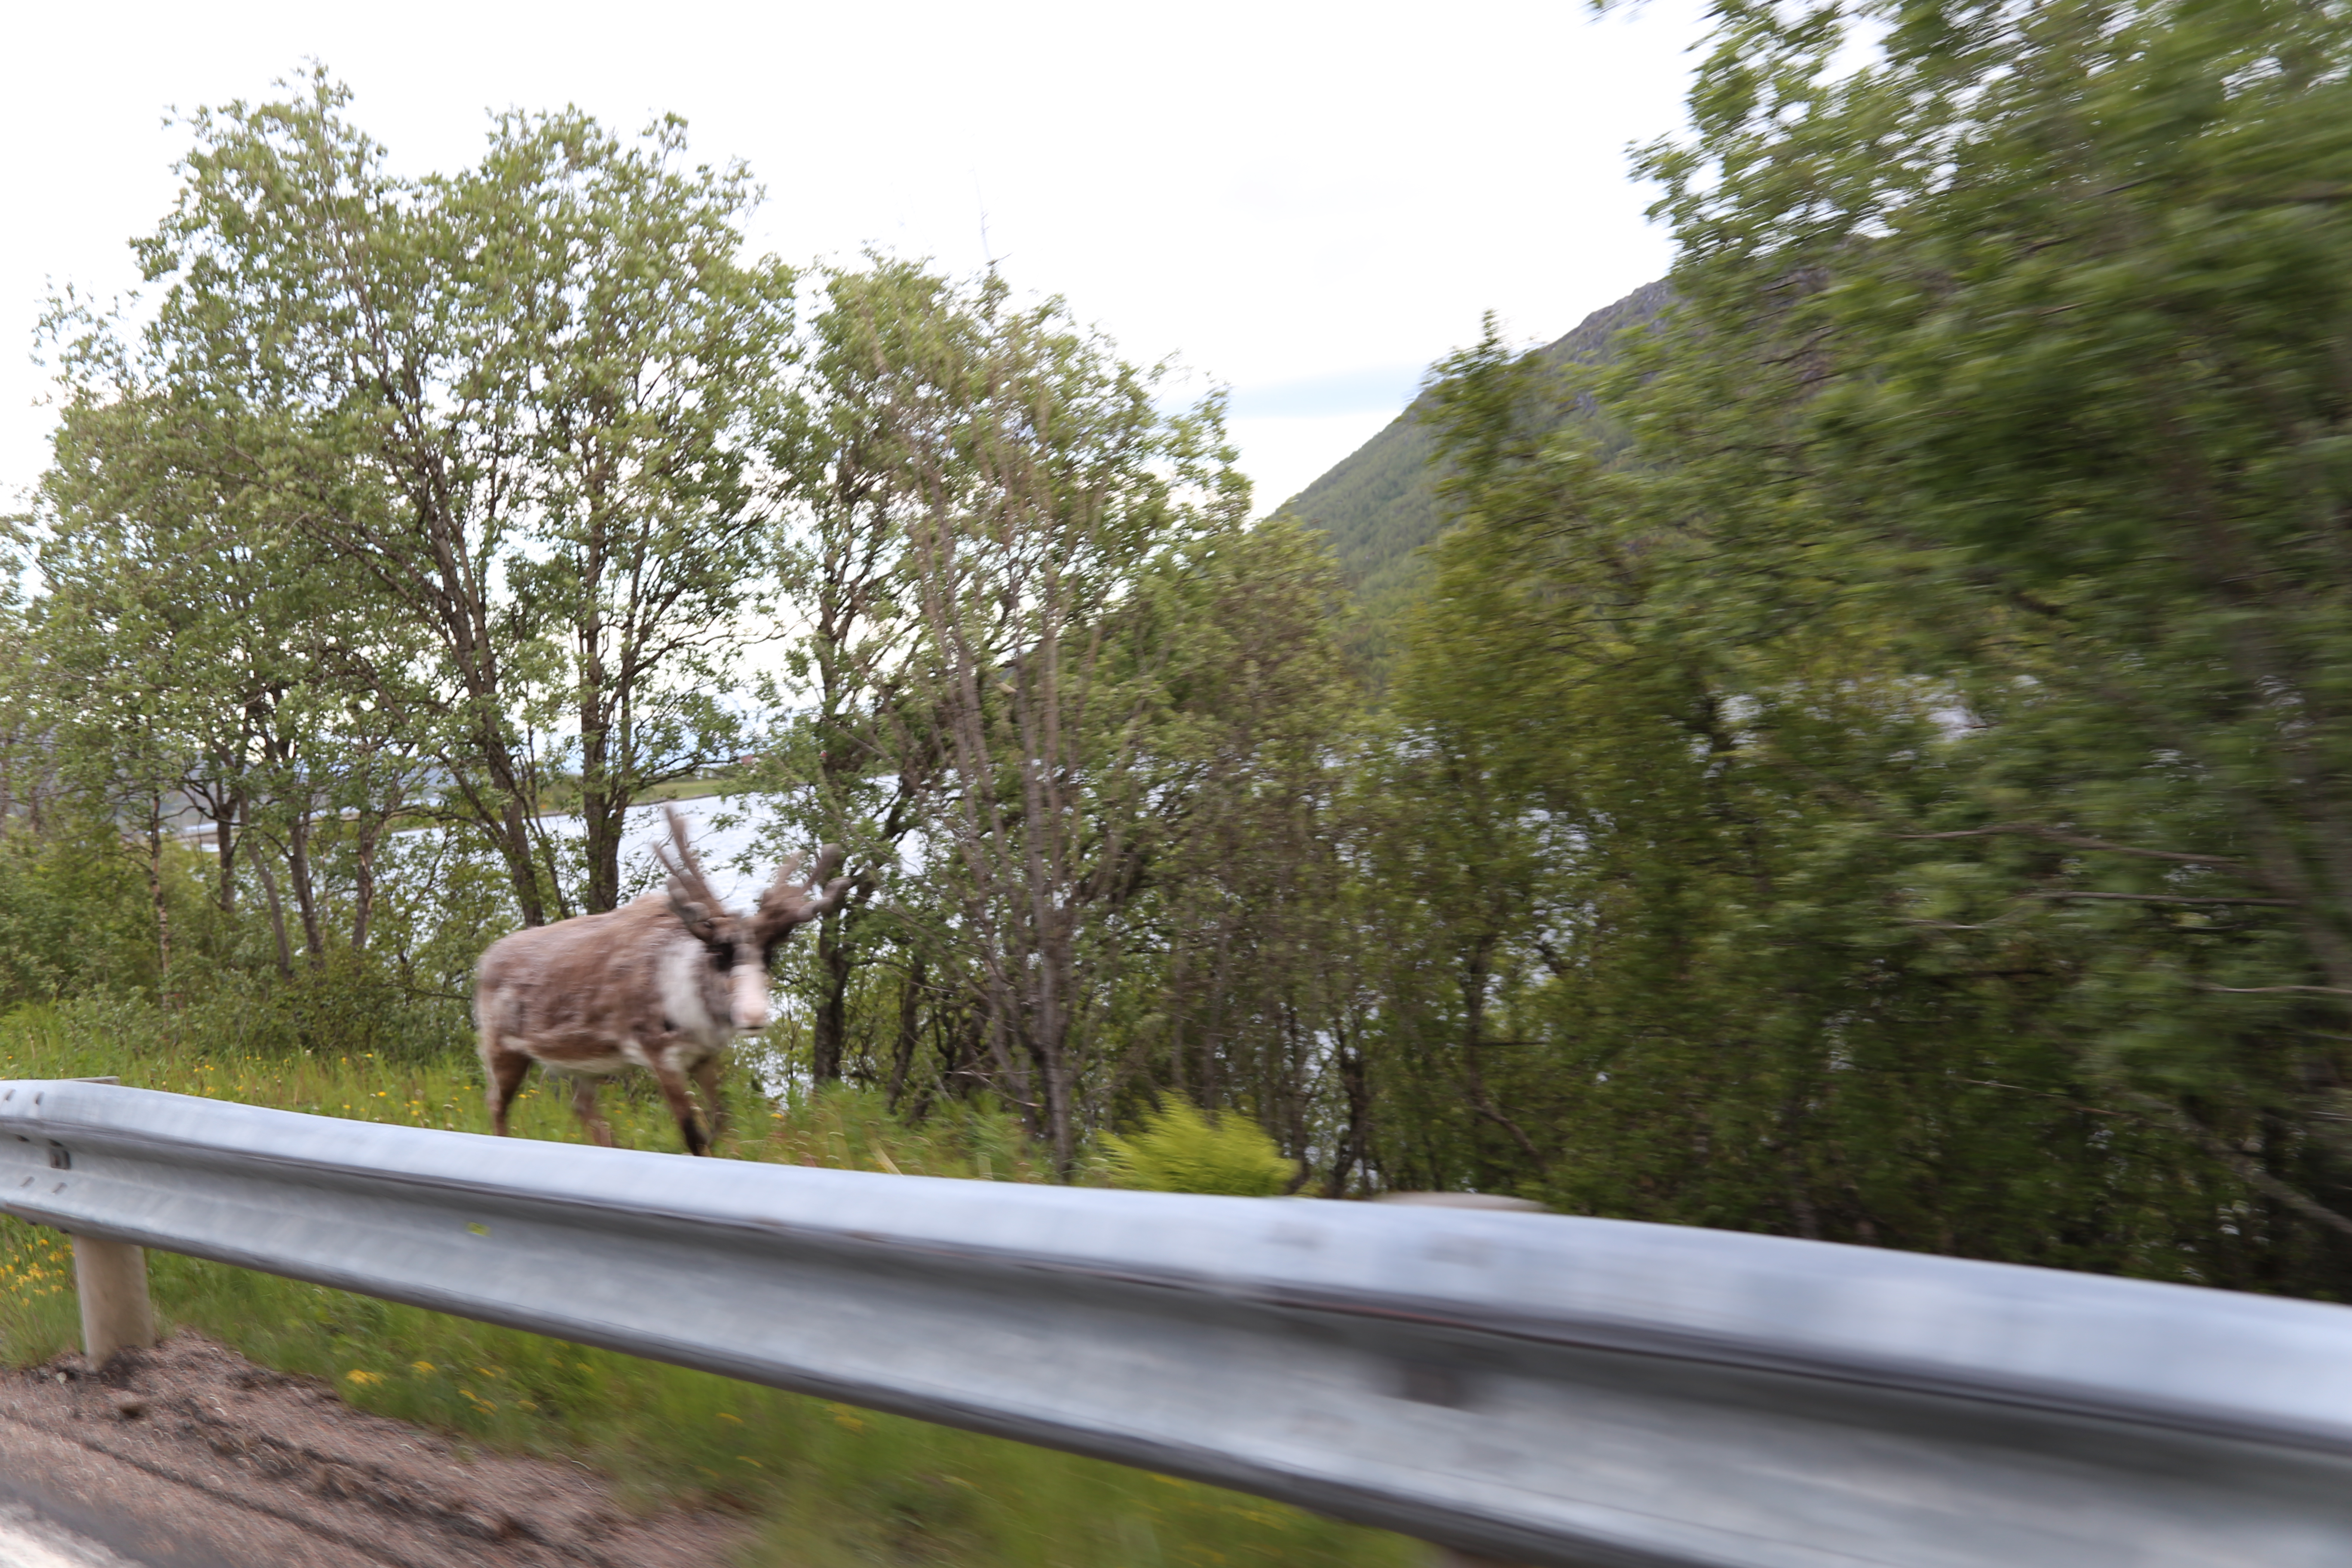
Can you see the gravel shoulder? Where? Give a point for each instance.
(191, 1457)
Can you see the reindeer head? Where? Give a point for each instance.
(741, 946)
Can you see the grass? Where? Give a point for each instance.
(691, 789)
(825, 1485)
(564, 798)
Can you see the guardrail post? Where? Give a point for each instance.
(1448, 1556)
(116, 1314)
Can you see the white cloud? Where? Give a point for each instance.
(1282, 195)
(1284, 455)
(1381, 388)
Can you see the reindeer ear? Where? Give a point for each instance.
(695, 915)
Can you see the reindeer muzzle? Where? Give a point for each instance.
(749, 979)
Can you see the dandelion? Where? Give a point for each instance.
(363, 1378)
(422, 1368)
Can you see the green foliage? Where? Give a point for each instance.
(1897, 798)
(446, 478)
(1044, 644)
(1179, 1149)
(825, 1484)
(74, 913)
(412, 511)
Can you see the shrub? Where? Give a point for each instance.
(1181, 1150)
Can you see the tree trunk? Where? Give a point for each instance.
(604, 816)
(522, 868)
(155, 894)
(498, 802)
(910, 1020)
(1476, 970)
(1356, 1086)
(961, 1047)
(829, 1040)
(277, 906)
(603, 805)
(225, 845)
(363, 884)
(1061, 1117)
(306, 892)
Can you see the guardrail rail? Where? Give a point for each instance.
(1534, 1387)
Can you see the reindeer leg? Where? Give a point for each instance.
(583, 1105)
(672, 1086)
(502, 1071)
(706, 1077)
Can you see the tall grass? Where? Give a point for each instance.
(824, 1484)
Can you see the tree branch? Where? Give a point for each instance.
(2081, 841)
(2161, 899)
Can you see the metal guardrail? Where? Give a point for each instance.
(1537, 1387)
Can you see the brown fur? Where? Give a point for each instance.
(659, 983)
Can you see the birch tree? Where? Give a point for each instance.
(517, 400)
(1047, 485)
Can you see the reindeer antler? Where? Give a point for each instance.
(783, 907)
(689, 889)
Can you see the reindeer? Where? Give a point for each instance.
(662, 984)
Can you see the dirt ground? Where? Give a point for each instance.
(189, 1456)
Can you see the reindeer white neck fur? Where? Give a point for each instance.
(663, 984)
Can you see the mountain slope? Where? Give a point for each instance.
(1379, 505)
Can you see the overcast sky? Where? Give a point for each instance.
(1307, 204)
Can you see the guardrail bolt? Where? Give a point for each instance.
(116, 1314)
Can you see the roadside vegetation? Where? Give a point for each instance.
(824, 1483)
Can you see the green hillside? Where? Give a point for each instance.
(1379, 505)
